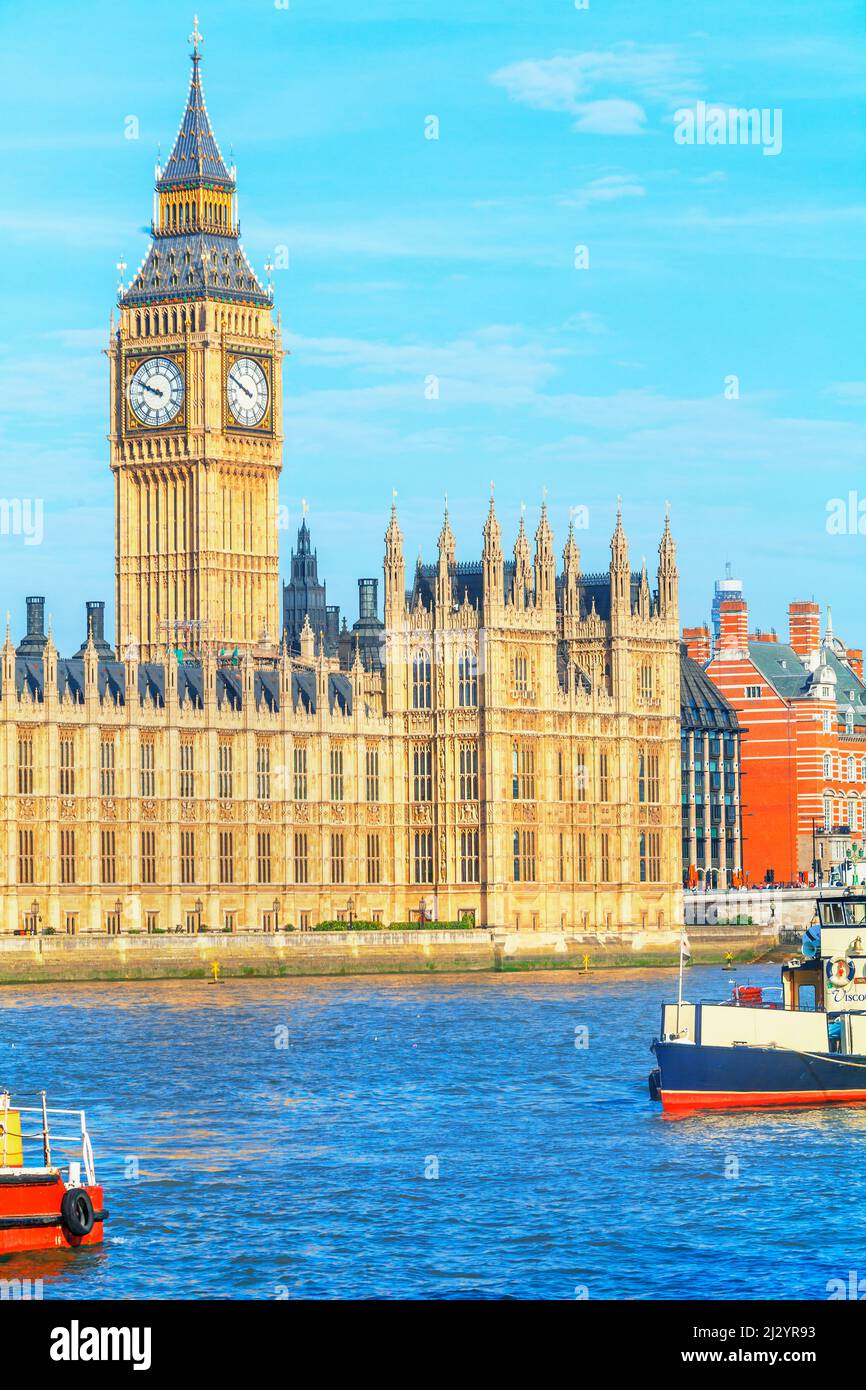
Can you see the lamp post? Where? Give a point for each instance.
(118, 908)
(34, 917)
(276, 914)
(199, 909)
(422, 907)
(350, 912)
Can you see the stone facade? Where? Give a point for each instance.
(511, 754)
(516, 758)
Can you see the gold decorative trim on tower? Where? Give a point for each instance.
(196, 441)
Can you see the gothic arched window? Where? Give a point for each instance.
(422, 685)
(521, 673)
(467, 679)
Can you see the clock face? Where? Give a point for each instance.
(156, 391)
(247, 391)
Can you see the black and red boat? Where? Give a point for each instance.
(806, 1047)
(49, 1196)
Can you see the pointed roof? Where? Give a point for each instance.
(447, 543)
(393, 535)
(571, 554)
(667, 548)
(191, 261)
(196, 157)
(521, 545)
(618, 541)
(492, 530)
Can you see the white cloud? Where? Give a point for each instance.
(608, 189)
(849, 392)
(598, 87)
(615, 116)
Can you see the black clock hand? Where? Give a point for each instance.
(155, 389)
(241, 385)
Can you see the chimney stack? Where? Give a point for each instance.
(368, 590)
(32, 644)
(697, 640)
(804, 628)
(96, 619)
(855, 661)
(95, 608)
(733, 627)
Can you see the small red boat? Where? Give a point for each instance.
(45, 1205)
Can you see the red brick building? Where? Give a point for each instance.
(801, 707)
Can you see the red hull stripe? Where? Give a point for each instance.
(731, 1100)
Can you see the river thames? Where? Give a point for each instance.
(478, 1136)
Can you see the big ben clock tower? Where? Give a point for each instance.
(196, 371)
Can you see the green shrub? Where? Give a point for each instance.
(465, 924)
(357, 925)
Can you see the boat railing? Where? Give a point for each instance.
(740, 1001)
(54, 1131)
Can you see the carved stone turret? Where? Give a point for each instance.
(395, 572)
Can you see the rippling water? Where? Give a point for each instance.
(299, 1171)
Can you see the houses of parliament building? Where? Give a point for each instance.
(503, 745)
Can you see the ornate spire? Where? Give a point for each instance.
(522, 568)
(492, 566)
(196, 157)
(571, 553)
(195, 224)
(545, 560)
(644, 591)
(620, 575)
(618, 542)
(447, 557)
(668, 577)
(395, 569)
(307, 641)
(447, 544)
(571, 574)
(492, 529)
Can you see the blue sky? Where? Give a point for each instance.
(411, 258)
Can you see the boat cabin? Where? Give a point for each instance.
(823, 995)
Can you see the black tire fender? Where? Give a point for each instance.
(76, 1211)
